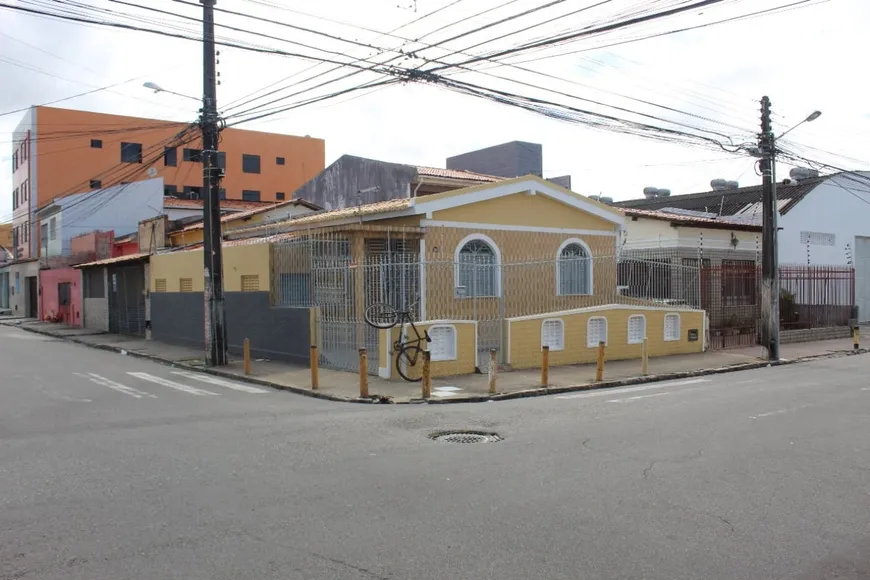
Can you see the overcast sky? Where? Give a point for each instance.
(712, 78)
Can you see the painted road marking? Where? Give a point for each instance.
(779, 412)
(172, 384)
(220, 382)
(611, 392)
(103, 381)
(637, 398)
(445, 391)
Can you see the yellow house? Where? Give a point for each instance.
(473, 265)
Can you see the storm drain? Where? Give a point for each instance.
(465, 437)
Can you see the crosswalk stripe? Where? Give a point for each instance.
(103, 381)
(220, 382)
(171, 384)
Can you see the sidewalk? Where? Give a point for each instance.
(344, 386)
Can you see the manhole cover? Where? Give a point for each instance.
(465, 437)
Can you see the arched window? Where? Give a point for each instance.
(477, 267)
(574, 269)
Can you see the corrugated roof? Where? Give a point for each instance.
(117, 260)
(251, 212)
(457, 174)
(688, 220)
(727, 202)
(229, 204)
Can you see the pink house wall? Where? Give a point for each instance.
(49, 303)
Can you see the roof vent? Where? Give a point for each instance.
(718, 184)
(801, 173)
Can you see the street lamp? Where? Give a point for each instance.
(810, 118)
(158, 89)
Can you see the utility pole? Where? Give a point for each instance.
(215, 330)
(769, 261)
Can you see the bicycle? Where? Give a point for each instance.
(384, 316)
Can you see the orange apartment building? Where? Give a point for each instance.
(58, 152)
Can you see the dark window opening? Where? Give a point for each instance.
(192, 192)
(222, 159)
(96, 143)
(170, 156)
(131, 153)
(63, 293)
(96, 184)
(279, 160)
(222, 193)
(280, 195)
(248, 195)
(250, 163)
(194, 155)
(170, 190)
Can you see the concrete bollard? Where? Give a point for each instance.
(493, 370)
(427, 375)
(599, 368)
(315, 379)
(363, 373)
(545, 366)
(644, 357)
(856, 337)
(246, 349)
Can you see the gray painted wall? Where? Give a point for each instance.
(336, 186)
(514, 159)
(96, 310)
(275, 333)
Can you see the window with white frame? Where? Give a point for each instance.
(672, 326)
(596, 331)
(573, 269)
(636, 328)
(477, 269)
(553, 334)
(443, 345)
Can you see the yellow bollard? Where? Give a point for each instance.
(856, 337)
(644, 357)
(599, 369)
(315, 380)
(363, 373)
(545, 366)
(427, 374)
(246, 349)
(493, 370)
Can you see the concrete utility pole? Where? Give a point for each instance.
(215, 329)
(769, 261)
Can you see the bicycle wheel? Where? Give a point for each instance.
(409, 363)
(381, 315)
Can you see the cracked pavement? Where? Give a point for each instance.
(752, 475)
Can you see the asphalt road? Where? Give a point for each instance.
(115, 468)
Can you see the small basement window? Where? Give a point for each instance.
(443, 345)
(672, 327)
(553, 334)
(636, 328)
(160, 285)
(96, 143)
(596, 331)
(185, 284)
(250, 282)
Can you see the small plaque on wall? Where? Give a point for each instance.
(693, 335)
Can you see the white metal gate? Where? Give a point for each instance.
(862, 277)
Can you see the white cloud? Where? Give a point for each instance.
(804, 59)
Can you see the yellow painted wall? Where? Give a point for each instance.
(522, 209)
(184, 238)
(525, 336)
(466, 350)
(239, 261)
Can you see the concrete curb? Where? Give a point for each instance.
(525, 393)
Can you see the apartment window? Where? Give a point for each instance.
(672, 327)
(443, 345)
(222, 193)
(636, 328)
(573, 269)
(131, 153)
(250, 163)
(194, 155)
(192, 192)
(170, 190)
(23, 151)
(250, 282)
(96, 143)
(596, 331)
(25, 190)
(52, 229)
(15, 161)
(15, 199)
(26, 230)
(280, 195)
(279, 161)
(553, 334)
(249, 195)
(96, 184)
(170, 156)
(185, 284)
(477, 268)
(160, 285)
